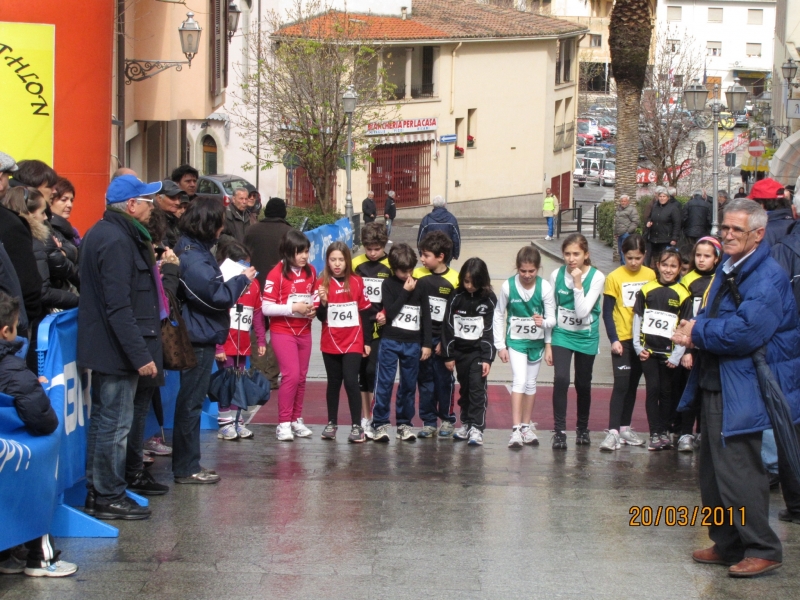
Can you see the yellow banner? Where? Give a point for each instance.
(27, 59)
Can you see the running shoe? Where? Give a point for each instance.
(356, 435)
(244, 432)
(227, 432)
(612, 441)
(516, 438)
(582, 437)
(329, 433)
(559, 440)
(462, 433)
(446, 429)
(60, 568)
(656, 443)
(284, 432)
(686, 443)
(475, 437)
(696, 443)
(157, 446)
(12, 565)
(300, 430)
(382, 434)
(628, 436)
(529, 434)
(405, 433)
(666, 441)
(427, 432)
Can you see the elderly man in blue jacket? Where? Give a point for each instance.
(441, 219)
(119, 335)
(726, 332)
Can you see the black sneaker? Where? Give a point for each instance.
(559, 440)
(356, 435)
(582, 437)
(656, 443)
(789, 517)
(91, 500)
(143, 483)
(329, 433)
(125, 509)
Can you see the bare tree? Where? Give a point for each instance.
(666, 128)
(587, 71)
(306, 59)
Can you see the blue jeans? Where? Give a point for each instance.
(188, 406)
(390, 353)
(769, 451)
(621, 239)
(436, 390)
(107, 442)
(388, 223)
(550, 226)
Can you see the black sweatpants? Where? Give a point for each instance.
(473, 396)
(366, 375)
(584, 365)
(343, 368)
(790, 486)
(732, 476)
(627, 373)
(41, 552)
(658, 378)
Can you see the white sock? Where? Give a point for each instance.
(624, 428)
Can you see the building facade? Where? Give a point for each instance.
(787, 42)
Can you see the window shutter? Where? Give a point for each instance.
(219, 47)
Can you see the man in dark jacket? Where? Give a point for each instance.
(369, 209)
(749, 305)
(787, 253)
(9, 284)
(237, 216)
(696, 218)
(169, 200)
(389, 211)
(15, 234)
(441, 219)
(186, 178)
(119, 335)
(780, 216)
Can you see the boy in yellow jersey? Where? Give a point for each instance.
(435, 382)
(373, 268)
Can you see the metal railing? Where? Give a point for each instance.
(590, 215)
(576, 216)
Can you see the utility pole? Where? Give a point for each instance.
(258, 100)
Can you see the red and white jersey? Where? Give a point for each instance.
(242, 321)
(285, 291)
(342, 330)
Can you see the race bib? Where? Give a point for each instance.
(568, 319)
(242, 321)
(629, 293)
(468, 328)
(407, 318)
(659, 323)
(304, 298)
(343, 315)
(437, 307)
(372, 289)
(524, 328)
(696, 306)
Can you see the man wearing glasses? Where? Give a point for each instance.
(749, 305)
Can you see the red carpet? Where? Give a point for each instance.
(498, 415)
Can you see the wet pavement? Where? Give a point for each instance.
(430, 519)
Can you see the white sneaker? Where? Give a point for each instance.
(60, 568)
(516, 438)
(529, 434)
(243, 431)
(627, 436)
(12, 565)
(611, 442)
(405, 433)
(475, 437)
(446, 430)
(462, 433)
(548, 238)
(686, 443)
(284, 432)
(228, 432)
(300, 430)
(369, 430)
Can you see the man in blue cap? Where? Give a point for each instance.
(119, 336)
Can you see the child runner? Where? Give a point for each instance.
(406, 340)
(436, 385)
(659, 307)
(342, 307)
(373, 268)
(468, 345)
(577, 289)
(619, 296)
(237, 348)
(706, 257)
(525, 308)
(289, 302)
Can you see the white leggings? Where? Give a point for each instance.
(523, 372)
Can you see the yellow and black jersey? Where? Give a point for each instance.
(373, 272)
(657, 311)
(438, 287)
(697, 283)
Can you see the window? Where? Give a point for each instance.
(559, 51)
(595, 41)
(714, 48)
(564, 60)
(673, 46)
(677, 81)
(753, 50)
(567, 54)
(715, 15)
(674, 13)
(472, 127)
(755, 16)
(458, 148)
(209, 156)
(427, 73)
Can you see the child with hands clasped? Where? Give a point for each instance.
(343, 308)
(525, 308)
(468, 345)
(289, 302)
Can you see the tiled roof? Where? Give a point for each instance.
(442, 19)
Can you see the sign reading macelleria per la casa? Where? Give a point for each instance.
(27, 67)
(402, 126)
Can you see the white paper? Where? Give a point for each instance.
(230, 269)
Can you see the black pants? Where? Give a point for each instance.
(658, 378)
(790, 486)
(366, 375)
(584, 365)
(343, 368)
(732, 475)
(473, 397)
(627, 373)
(41, 552)
(654, 250)
(682, 422)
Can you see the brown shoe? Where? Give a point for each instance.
(752, 566)
(709, 556)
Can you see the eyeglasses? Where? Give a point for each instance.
(724, 230)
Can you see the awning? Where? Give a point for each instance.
(785, 163)
(750, 74)
(405, 138)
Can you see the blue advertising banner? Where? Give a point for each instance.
(321, 238)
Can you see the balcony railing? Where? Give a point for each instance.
(569, 135)
(425, 90)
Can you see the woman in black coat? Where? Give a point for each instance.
(663, 225)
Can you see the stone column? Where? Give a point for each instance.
(408, 72)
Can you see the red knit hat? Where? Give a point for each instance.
(766, 189)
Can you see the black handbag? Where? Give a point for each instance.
(178, 351)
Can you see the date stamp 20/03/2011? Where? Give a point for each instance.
(685, 516)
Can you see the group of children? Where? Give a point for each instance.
(380, 312)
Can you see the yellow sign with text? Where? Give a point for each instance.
(27, 79)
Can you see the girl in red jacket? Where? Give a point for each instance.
(289, 303)
(244, 316)
(341, 305)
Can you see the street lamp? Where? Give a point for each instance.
(349, 99)
(233, 20)
(789, 69)
(189, 33)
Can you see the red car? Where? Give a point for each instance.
(585, 134)
(604, 132)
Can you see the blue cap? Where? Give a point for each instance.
(126, 187)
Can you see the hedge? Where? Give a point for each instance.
(316, 218)
(605, 217)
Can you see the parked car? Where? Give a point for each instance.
(610, 124)
(579, 152)
(585, 131)
(593, 127)
(222, 186)
(742, 119)
(578, 175)
(609, 173)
